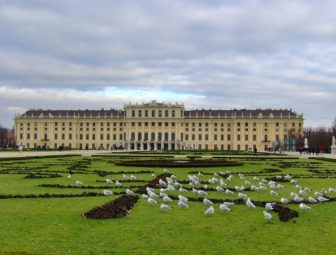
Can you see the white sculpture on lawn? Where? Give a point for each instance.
(333, 145)
(306, 143)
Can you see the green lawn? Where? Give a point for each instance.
(56, 225)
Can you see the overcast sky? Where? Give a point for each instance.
(206, 54)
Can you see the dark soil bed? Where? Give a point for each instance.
(285, 213)
(122, 205)
(115, 209)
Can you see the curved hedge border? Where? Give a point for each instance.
(47, 195)
(38, 157)
(178, 163)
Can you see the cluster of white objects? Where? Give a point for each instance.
(160, 195)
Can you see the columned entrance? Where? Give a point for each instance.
(154, 145)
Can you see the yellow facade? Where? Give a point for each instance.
(157, 126)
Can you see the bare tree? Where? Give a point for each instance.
(295, 135)
(2, 135)
(333, 128)
(318, 138)
(6, 137)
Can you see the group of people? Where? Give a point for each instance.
(312, 151)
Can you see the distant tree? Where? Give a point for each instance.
(318, 138)
(295, 135)
(6, 137)
(10, 138)
(333, 128)
(2, 135)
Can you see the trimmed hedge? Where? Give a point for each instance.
(178, 163)
(38, 157)
(323, 159)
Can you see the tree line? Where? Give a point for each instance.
(6, 137)
(319, 138)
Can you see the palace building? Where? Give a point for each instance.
(158, 126)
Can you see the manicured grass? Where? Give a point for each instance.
(56, 225)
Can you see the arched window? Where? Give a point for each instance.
(139, 113)
(173, 113)
(160, 136)
(160, 113)
(133, 113)
(153, 113)
(139, 136)
(173, 136)
(133, 136)
(166, 136)
(146, 136)
(153, 136)
(181, 137)
(166, 113)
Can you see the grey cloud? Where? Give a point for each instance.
(221, 53)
